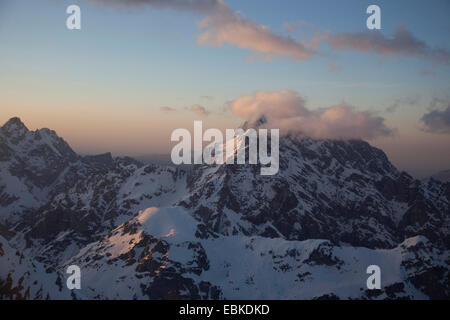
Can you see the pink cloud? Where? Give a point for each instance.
(167, 109)
(224, 25)
(286, 110)
(200, 110)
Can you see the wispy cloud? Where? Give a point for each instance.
(222, 25)
(438, 120)
(167, 109)
(402, 43)
(227, 26)
(200, 110)
(286, 110)
(397, 103)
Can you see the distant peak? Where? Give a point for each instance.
(104, 157)
(262, 120)
(48, 132)
(255, 124)
(14, 121)
(14, 126)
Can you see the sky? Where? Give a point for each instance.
(139, 69)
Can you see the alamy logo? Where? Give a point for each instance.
(74, 280)
(218, 152)
(374, 281)
(374, 20)
(73, 21)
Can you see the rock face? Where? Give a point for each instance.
(37, 165)
(343, 191)
(220, 232)
(22, 277)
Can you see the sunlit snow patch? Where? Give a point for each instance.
(174, 223)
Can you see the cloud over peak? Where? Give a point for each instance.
(286, 110)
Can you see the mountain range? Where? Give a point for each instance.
(218, 232)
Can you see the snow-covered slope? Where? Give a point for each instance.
(94, 206)
(212, 232)
(25, 278)
(160, 253)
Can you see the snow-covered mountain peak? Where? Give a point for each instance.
(37, 165)
(46, 133)
(14, 128)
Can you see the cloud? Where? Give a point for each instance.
(439, 103)
(403, 43)
(200, 110)
(286, 110)
(222, 25)
(227, 26)
(167, 109)
(437, 121)
(411, 101)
